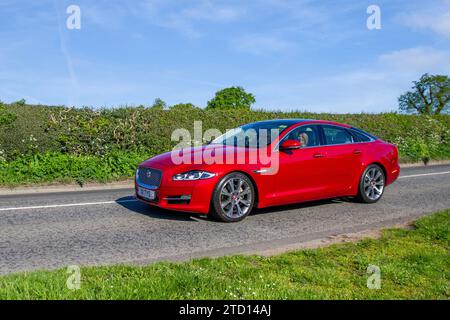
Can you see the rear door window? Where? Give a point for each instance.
(336, 135)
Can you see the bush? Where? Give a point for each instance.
(6, 117)
(58, 167)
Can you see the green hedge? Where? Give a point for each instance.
(42, 143)
(59, 167)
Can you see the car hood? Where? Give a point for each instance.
(199, 156)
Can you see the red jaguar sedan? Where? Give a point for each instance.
(269, 163)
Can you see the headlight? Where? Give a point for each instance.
(193, 175)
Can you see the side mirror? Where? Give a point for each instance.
(290, 144)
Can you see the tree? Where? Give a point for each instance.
(20, 102)
(184, 106)
(430, 95)
(231, 98)
(159, 104)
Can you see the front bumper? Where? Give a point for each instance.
(188, 196)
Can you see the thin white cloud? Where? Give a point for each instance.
(65, 52)
(185, 19)
(208, 10)
(418, 59)
(375, 88)
(435, 18)
(363, 90)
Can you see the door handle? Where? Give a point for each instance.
(357, 151)
(318, 155)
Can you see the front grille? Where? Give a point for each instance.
(150, 177)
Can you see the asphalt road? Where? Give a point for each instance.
(45, 231)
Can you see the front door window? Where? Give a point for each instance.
(308, 136)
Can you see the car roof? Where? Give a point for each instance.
(291, 122)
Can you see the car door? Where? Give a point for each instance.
(300, 177)
(343, 160)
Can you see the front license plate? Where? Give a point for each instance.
(146, 194)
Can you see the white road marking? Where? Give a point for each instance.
(424, 174)
(133, 200)
(67, 205)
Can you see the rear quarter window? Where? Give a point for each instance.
(362, 136)
(359, 137)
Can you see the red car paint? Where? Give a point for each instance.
(307, 174)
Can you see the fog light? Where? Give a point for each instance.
(182, 199)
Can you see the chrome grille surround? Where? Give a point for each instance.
(149, 177)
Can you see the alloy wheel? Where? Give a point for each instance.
(235, 198)
(373, 183)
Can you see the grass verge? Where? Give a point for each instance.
(414, 264)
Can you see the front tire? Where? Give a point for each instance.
(371, 184)
(233, 198)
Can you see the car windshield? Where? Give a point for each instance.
(253, 135)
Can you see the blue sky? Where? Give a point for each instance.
(307, 55)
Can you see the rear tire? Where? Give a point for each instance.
(233, 198)
(371, 184)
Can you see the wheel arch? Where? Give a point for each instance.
(381, 166)
(361, 196)
(255, 186)
(355, 186)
